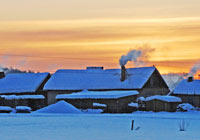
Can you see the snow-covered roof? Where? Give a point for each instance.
(98, 79)
(5, 108)
(142, 99)
(21, 82)
(188, 88)
(24, 108)
(164, 98)
(11, 97)
(97, 95)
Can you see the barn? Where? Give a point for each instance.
(146, 80)
(109, 101)
(189, 91)
(23, 89)
(159, 103)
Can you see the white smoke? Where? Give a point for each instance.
(194, 69)
(173, 79)
(131, 56)
(138, 56)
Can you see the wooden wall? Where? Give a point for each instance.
(51, 95)
(33, 103)
(154, 86)
(158, 105)
(191, 99)
(113, 105)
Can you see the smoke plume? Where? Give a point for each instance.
(194, 69)
(138, 56)
(173, 79)
(131, 56)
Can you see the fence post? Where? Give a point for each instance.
(132, 125)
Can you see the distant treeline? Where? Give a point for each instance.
(14, 70)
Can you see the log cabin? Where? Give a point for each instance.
(146, 80)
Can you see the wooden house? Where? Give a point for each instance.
(189, 91)
(23, 88)
(109, 101)
(146, 80)
(159, 103)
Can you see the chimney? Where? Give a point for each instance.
(2, 74)
(123, 73)
(190, 79)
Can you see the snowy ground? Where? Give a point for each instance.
(151, 126)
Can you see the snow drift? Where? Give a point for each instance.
(185, 107)
(59, 107)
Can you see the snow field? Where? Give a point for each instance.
(151, 126)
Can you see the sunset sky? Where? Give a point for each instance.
(46, 35)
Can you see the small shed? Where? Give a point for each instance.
(113, 101)
(23, 109)
(188, 91)
(5, 109)
(159, 103)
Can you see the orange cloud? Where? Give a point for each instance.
(78, 43)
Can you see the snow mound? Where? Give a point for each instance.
(132, 104)
(185, 107)
(59, 107)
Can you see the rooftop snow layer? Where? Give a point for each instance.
(188, 88)
(5, 108)
(132, 104)
(97, 95)
(21, 82)
(99, 105)
(164, 98)
(23, 108)
(11, 97)
(59, 107)
(98, 79)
